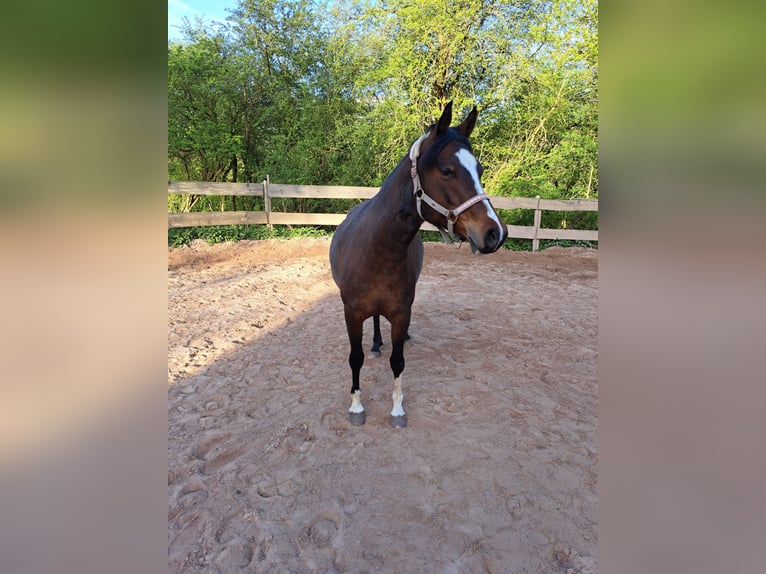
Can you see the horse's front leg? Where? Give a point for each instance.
(355, 360)
(399, 328)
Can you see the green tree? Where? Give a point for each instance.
(335, 93)
(545, 131)
(287, 48)
(205, 142)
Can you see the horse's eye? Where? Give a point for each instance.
(447, 172)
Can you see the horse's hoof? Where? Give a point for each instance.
(357, 418)
(374, 353)
(398, 422)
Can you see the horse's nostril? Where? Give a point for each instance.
(491, 238)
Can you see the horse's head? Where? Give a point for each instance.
(450, 195)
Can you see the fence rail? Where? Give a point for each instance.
(268, 190)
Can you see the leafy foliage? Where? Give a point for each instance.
(221, 233)
(334, 94)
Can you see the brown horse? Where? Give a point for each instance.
(376, 254)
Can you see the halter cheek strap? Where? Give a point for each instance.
(421, 196)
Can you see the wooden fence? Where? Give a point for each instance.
(268, 191)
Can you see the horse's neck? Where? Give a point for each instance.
(401, 221)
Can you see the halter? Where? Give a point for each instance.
(420, 196)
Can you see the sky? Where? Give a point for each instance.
(210, 10)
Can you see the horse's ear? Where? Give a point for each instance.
(466, 127)
(443, 124)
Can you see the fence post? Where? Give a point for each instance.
(267, 203)
(536, 241)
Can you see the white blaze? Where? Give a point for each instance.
(469, 162)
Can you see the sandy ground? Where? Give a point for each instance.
(495, 472)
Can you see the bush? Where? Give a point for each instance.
(218, 234)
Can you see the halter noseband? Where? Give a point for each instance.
(420, 196)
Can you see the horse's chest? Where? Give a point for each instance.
(386, 289)
(397, 288)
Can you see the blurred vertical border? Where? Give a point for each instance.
(83, 249)
(682, 319)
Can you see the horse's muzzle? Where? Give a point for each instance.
(490, 242)
(493, 239)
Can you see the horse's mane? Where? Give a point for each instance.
(428, 159)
